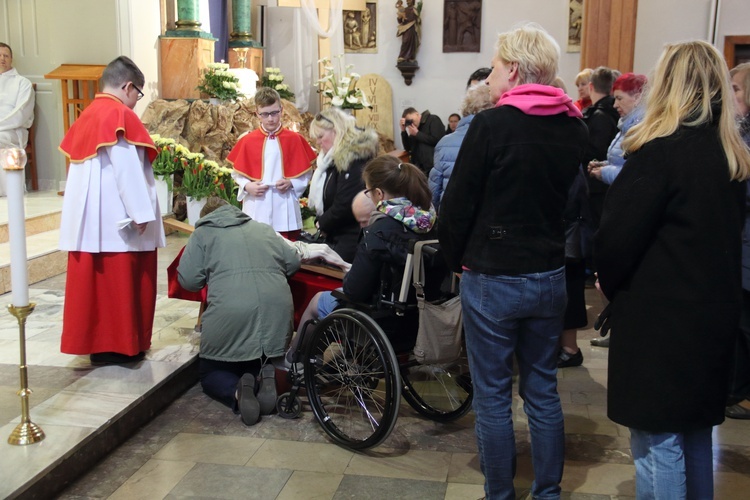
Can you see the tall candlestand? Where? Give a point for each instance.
(13, 161)
(27, 432)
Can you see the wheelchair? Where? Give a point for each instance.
(358, 362)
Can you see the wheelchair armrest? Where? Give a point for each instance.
(341, 296)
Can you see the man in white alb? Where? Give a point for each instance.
(16, 106)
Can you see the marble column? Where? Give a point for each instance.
(188, 15)
(241, 18)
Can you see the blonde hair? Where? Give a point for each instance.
(343, 126)
(533, 49)
(477, 99)
(584, 76)
(744, 71)
(689, 79)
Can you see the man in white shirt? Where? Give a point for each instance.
(16, 106)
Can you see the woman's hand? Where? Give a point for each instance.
(596, 173)
(256, 188)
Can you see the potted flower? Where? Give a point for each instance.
(274, 79)
(339, 85)
(218, 83)
(164, 166)
(308, 215)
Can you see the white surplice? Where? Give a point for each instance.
(16, 113)
(278, 210)
(101, 192)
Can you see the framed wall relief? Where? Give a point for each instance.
(360, 29)
(575, 25)
(462, 25)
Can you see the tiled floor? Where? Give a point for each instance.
(198, 449)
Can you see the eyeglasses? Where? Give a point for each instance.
(140, 94)
(368, 192)
(265, 115)
(320, 117)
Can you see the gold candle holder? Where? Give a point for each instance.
(27, 432)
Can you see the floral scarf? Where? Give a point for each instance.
(414, 218)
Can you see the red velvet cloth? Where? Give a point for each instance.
(175, 290)
(305, 284)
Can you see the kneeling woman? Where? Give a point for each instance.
(403, 213)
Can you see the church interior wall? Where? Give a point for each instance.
(47, 33)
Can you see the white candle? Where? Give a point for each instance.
(14, 160)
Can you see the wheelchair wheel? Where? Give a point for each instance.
(351, 377)
(440, 392)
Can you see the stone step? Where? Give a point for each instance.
(44, 259)
(35, 224)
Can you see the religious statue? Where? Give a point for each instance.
(352, 35)
(409, 29)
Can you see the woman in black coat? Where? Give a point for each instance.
(668, 257)
(344, 150)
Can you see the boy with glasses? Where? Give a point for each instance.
(272, 168)
(111, 225)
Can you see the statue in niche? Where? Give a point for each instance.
(360, 34)
(365, 18)
(462, 25)
(409, 29)
(352, 34)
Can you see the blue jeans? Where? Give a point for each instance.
(672, 466)
(520, 314)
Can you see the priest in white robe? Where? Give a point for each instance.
(16, 106)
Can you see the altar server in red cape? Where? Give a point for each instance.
(272, 167)
(111, 224)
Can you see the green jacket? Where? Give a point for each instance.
(245, 265)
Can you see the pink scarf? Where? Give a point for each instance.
(539, 100)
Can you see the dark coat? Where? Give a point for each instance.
(380, 259)
(502, 212)
(668, 257)
(601, 119)
(421, 147)
(343, 182)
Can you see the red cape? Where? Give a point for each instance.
(100, 125)
(247, 155)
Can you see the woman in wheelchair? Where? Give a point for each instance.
(358, 361)
(403, 212)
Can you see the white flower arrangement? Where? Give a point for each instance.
(218, 82)
(273, 78)
(340, 86)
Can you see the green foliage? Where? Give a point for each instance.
(220, 83)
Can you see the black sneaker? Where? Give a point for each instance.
(267, 391)
(246, 400)
(566, 360)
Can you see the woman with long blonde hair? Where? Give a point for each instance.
(668, 258)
